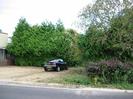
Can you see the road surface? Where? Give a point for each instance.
(23, 92)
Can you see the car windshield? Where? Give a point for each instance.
(56, 60)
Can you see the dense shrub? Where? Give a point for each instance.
(116, 74)
(111, 71)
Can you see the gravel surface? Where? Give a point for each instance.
(27, 74)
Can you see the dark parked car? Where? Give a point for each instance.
(57, 64)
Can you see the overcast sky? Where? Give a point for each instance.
(37, 11)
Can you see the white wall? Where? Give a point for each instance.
(3, 40)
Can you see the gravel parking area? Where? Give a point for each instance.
(27, 74)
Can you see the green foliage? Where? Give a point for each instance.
(32, 45)
(120, 35)
(92, 44)
(19, 36)
(122, 86)
(77, 79)
(109, 33)
(111, 71)
(76, 76)
(116, 74)
(75, 51)
(102, 12)
(111, 40)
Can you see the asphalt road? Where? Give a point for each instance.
(23, 92)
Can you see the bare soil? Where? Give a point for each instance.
(27, 74)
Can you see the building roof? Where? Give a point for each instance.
(2, 48)
(4, 33)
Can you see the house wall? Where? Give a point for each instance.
(3, 40)
(3, 44)
(2, 56)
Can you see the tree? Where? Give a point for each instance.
(120, 35)
(75, 50)
(108, 30)
(92, 43)
(17, 47)
(32, 45)
(102, 11)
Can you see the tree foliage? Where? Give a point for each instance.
(102, 12)
(120, 35)
(92, 44)
(32, 45)
(109, 30)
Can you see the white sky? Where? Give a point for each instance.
(37, 11)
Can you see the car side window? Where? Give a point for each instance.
(59, 61)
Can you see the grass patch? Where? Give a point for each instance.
(118, 86)
(71, 80)
(76, 79)
(76, 76)
(123, 86)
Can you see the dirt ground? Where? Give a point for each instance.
(27, 74)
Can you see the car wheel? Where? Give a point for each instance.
(66, 68)
(58, 69)
(45, 69)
